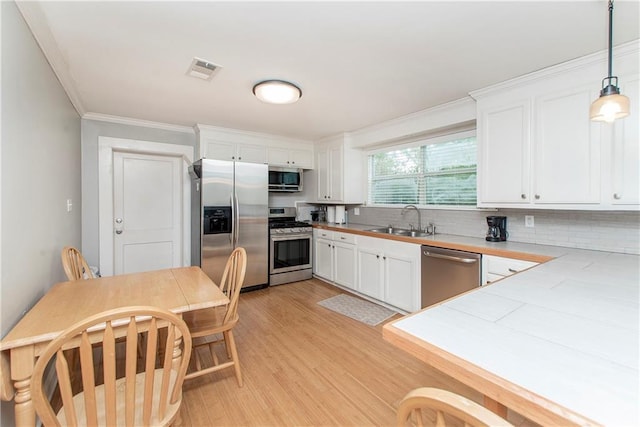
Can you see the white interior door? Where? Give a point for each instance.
(144, 205)
(147, 212)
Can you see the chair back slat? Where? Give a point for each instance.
(166, 368)
(131, 359)
(88, 379)
(149, 378)
(109, 374)
(66, 393)
(113, 400)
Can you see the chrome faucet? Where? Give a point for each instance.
(406, 208)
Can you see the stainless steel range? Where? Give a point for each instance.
(290, 244)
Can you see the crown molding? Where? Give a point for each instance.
(37, 23)
(619, 52)
(248, 135)
(419, 123)
(137, 122)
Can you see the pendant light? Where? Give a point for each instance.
(610, 105)
(277, 92)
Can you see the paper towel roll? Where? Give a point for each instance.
(340, 217)
(331, 214)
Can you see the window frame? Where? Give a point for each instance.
(417, 143)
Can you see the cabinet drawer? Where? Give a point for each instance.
(493, 277)
(323, 234)
(506, 266)
(344, 237)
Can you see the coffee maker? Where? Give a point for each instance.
(497, 231)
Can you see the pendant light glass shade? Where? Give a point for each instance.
(611, 105)
(608, 108)
(277, 92)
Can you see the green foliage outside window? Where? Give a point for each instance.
(442, 173)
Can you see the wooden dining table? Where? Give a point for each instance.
(178, 290)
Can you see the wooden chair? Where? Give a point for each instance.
(444, 402)
(147, 392)
(75, 266)
(209, 323)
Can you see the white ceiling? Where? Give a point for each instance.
(357, 63)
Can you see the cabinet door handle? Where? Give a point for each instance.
(513, 270)
(617, 196)
(523, 196)
(537, 197)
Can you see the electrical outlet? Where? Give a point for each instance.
(69, 205)
(528, 221)
(356, 211)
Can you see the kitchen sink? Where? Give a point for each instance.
(400, 232)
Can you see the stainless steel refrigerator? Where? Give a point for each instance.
(229, 209)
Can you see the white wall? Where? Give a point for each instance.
(40, 141)
(91, 130)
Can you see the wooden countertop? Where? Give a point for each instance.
(515, 250)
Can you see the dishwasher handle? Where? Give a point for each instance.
(451, 258)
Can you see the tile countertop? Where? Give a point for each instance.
(567, 330)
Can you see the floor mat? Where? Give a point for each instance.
(358, 309)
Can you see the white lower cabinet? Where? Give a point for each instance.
(323, 254)
(383, 269)
(496, 268)
(344, 272)
(389, 271)
(370, 271)
(335, 257)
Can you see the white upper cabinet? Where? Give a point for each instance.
(625, 152)
(230, 144)
(287, 157)
(506, 124)
(221, 150)
(539, 149)
(339, 171)
(566, 158)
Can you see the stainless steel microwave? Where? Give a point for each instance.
(285, 179)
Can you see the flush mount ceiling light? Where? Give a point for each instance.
(277, 92)
(611, 105)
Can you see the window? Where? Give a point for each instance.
(440, 171)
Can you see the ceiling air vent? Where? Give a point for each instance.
(202, 69)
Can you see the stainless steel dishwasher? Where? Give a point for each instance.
(446, 273)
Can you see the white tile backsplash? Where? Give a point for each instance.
(604, 231)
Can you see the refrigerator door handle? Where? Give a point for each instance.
(233, 221)
(236, 233)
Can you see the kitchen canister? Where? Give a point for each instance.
(331, 214)
(340, 216)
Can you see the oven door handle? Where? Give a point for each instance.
(281, 237)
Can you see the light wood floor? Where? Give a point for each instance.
(304, 365)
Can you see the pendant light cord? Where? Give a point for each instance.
(610, 38)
